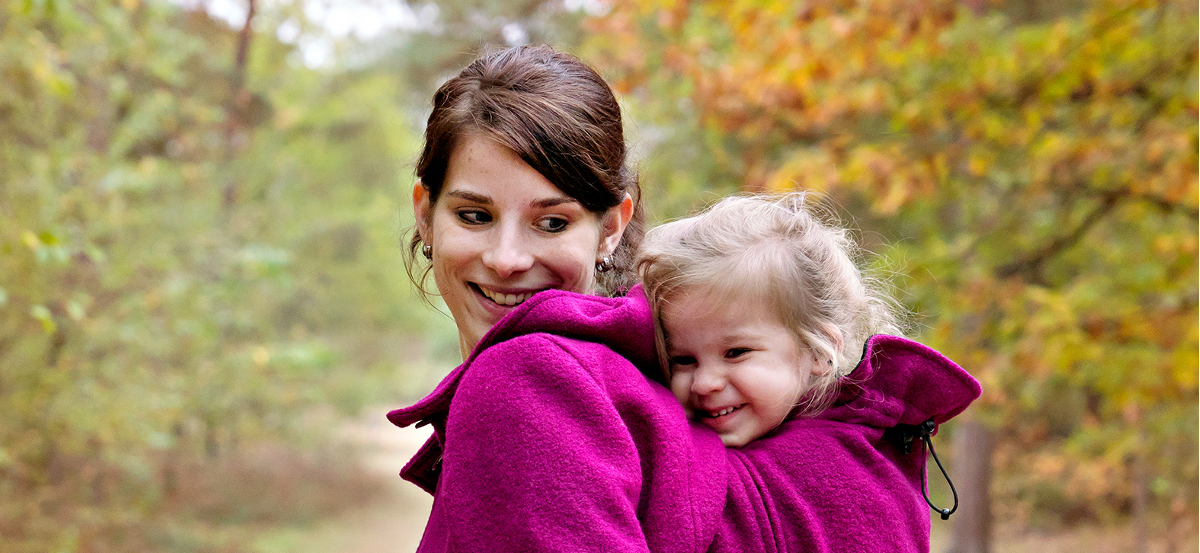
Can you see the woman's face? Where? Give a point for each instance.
(501, 232)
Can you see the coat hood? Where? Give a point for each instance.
(550, 437)
(902, 382)
(624, 324)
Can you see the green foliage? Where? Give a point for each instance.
(198, 255)
(1036, 176)
(187, 265)
(426, 57)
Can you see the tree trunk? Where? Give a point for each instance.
(239, 102)
(971, 528)
(1133, 417)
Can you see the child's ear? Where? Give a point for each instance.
(835, 336)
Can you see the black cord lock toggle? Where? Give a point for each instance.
(924, 432)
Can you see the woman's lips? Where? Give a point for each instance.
(504, 299)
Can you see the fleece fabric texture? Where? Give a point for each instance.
(549, 438)
(840, 481)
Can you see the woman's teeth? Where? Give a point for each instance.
(506, 299)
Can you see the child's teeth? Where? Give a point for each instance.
(723, 412)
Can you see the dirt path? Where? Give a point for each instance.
(394, 527)
(391, 525)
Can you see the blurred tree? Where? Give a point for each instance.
(198, 248)
(454, 32)
(1036, 173)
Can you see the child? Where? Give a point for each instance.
(761, 316)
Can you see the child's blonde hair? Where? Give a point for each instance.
(776, 249)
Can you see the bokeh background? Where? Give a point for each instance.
(204, 313)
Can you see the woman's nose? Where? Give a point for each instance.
(707, 381)
(508, 254)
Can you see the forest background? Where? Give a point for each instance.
(202, 204)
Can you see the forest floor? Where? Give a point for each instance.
(393, 524)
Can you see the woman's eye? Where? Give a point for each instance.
(474, 216)
(734, 353)
(682, 361)
(552, 224)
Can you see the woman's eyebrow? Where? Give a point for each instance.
(484, 200)
(551, 202)
(470, 197)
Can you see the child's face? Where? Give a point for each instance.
(736, 368)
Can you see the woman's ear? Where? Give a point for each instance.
(421, 209)
(613, 225)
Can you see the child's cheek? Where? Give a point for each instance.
(681, 385)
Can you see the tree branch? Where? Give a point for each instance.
(1032, 264)
(240, 99)
(1168, 206)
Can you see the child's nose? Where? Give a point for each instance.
(707, 381)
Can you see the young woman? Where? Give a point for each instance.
(548, 437)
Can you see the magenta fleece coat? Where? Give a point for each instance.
(840, 481)
(555, 436)
(549, 438)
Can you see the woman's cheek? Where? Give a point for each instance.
(575, 266)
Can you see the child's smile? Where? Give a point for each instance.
(721, 412)
(736, 369)
(723, 421)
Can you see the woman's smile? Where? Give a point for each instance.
(501, 232)
(504, 299)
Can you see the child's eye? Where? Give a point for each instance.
(682, 361)
(474, 216)
(734, 353)
(552, 224)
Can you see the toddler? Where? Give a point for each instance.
(761, 318)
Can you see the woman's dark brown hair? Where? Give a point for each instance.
(556, 113)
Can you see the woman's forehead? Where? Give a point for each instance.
(483, 171)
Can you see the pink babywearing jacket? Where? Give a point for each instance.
(551, 437)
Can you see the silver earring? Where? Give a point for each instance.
(604, 265)
(427, 251)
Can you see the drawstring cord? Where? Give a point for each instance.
(925, 432)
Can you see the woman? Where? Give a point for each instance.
(548, 436)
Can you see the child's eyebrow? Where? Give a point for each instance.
(737, 337)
